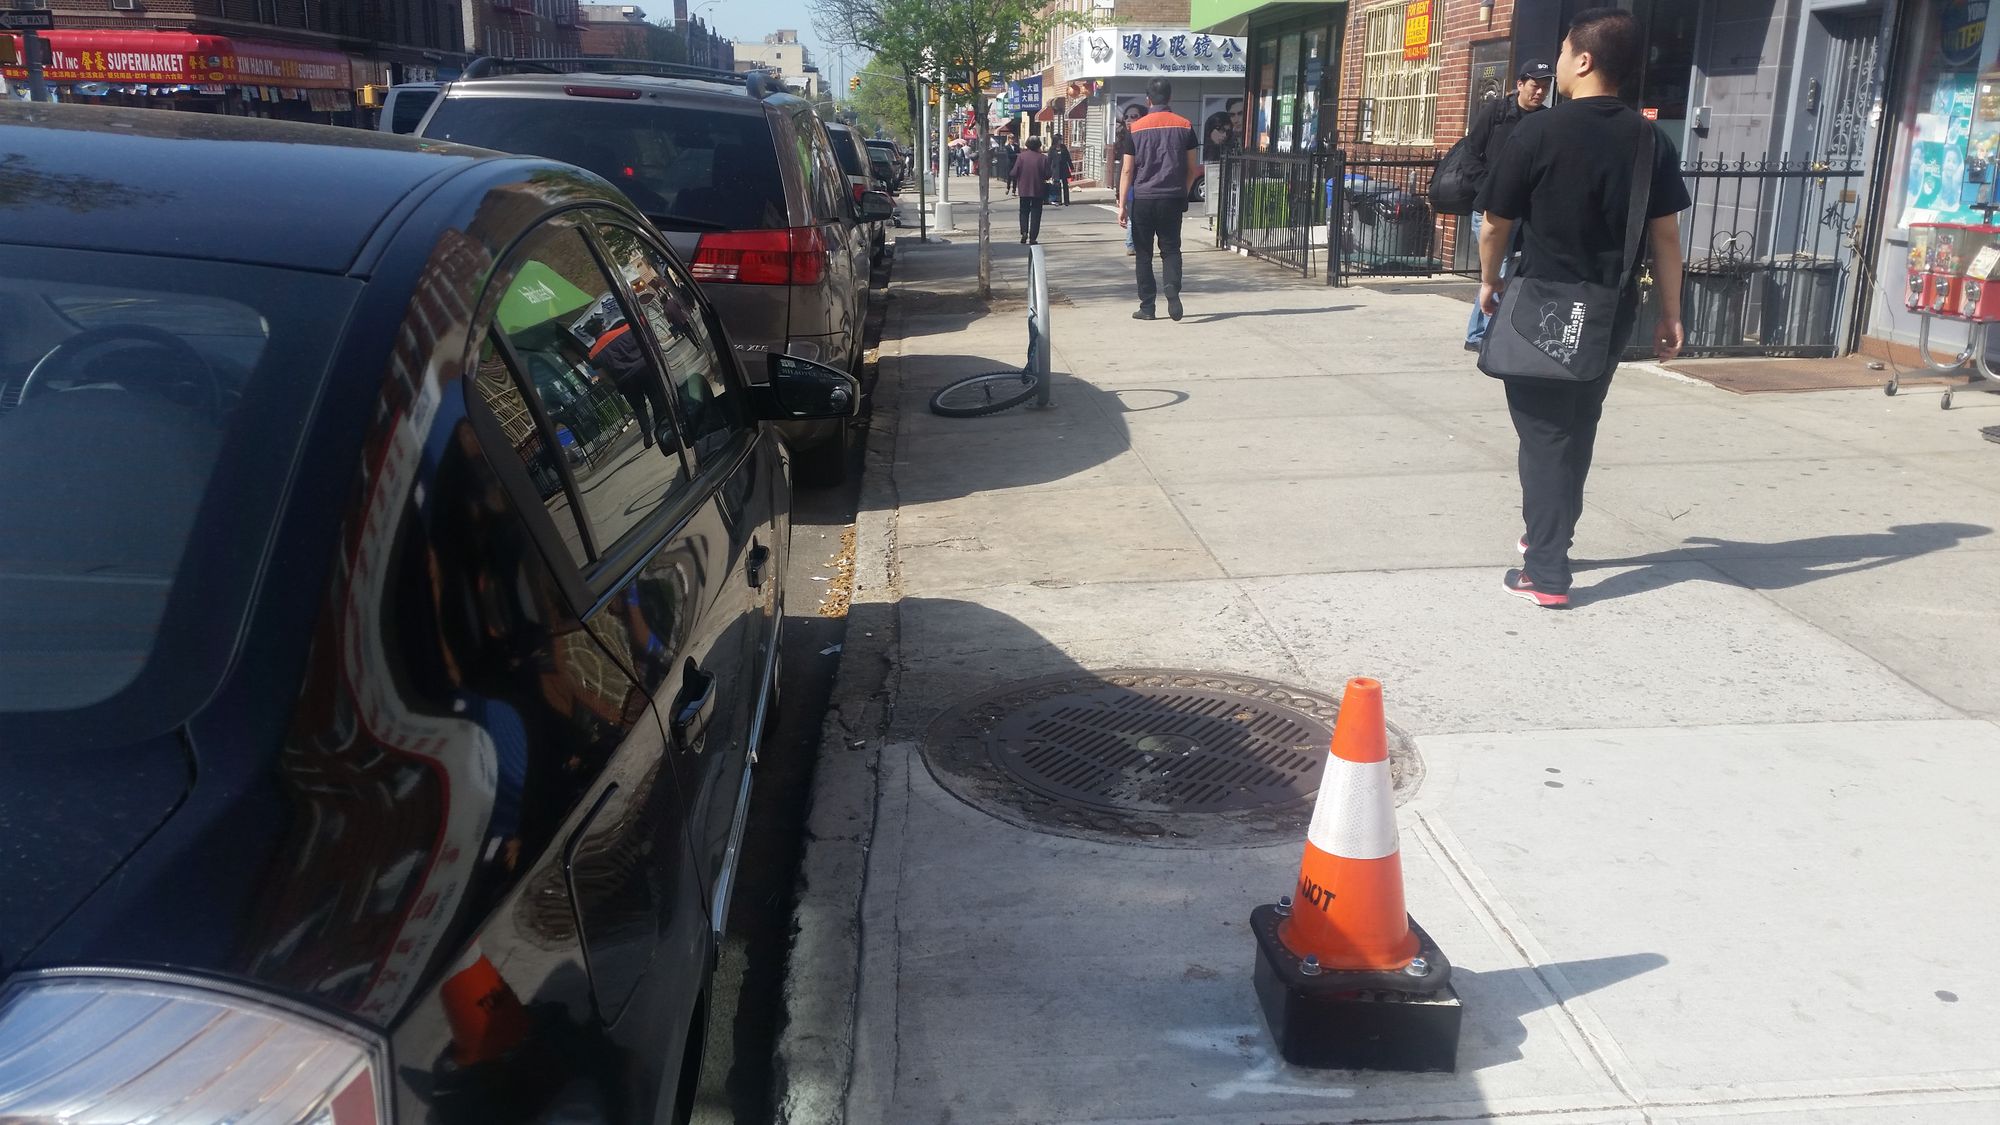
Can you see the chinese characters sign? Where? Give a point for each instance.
(176, 58)
(1109, 52)
(1417, 30)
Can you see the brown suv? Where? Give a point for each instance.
(741, 178)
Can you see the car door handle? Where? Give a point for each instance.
(760, 557)
(693, 708)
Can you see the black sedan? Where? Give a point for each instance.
(389, 606)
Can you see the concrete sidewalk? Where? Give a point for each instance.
(1715, 844)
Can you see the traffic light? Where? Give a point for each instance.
(854, 83)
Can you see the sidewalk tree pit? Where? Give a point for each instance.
(1166, 757)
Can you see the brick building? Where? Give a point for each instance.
(531, 29)
(621, 31)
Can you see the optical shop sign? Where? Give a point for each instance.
(1112, 52)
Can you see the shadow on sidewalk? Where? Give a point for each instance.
(1503, 998)
(1783, 565)
(1213, 317)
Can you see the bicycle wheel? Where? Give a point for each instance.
(985, 394)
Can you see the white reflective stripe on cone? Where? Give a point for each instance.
(1354, 817)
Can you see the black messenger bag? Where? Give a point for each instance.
(1561, 331)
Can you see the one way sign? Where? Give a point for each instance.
(27, 21)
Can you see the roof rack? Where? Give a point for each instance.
(757, 81)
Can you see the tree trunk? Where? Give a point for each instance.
(985, 216)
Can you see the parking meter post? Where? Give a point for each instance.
(1041, 348)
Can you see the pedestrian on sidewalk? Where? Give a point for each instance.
(1061, 164)
(1489, 133)
(1156, 176)
(1566, 177)
(1030, 181)
(1009, 152)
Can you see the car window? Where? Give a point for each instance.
(708, 405)
(829, 181)
(150, 410)
(500, 388)
(572, 343)
(846, 149)
(686, 168)
(408, 111)
(816, 166)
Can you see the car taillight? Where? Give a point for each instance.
(115, 1046)
(761, 257)
(858, 190)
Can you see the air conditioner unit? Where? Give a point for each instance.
(124, 5)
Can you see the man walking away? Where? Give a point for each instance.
(1031, 171)
(1061, 164)
(1157, 176)
(1489, 133)
(1566, 176)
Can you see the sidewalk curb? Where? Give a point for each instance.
(815, 1061)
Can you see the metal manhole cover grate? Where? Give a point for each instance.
(1159, 754)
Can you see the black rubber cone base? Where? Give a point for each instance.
(1340, 1021)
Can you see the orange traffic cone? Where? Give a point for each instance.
(1348, 910)
(1346, 978)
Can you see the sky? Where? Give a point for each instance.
(752, 20)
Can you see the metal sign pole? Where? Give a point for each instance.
(31, 45)
(30, 24)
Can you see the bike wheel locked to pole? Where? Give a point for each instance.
(996, 391)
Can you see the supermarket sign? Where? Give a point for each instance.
(172, 58)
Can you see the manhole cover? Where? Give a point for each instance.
(1165, 756)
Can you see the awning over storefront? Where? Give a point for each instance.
(1051, 110)
(178, 58)
(1231, 17)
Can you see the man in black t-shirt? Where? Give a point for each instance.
(1566, 175)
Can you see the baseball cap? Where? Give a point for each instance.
(1535, 70)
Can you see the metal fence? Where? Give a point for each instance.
(1273, 207)
(1770, 262)
(1386, 224)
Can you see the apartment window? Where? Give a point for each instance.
(1403, 92)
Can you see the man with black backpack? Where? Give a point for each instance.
(1592, 185)
(1487, 139)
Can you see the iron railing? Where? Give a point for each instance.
(1768, 244)
(1274, 207)
(1386, 223)
(1770, 262)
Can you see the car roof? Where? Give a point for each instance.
(202, 185)
(715, 94)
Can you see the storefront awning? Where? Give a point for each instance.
(1051, 110)
(177, 58)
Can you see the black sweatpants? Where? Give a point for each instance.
(1031, 213)
(1161, 219)
(1557, 425)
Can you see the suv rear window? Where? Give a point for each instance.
(685, 168)
(847, 152)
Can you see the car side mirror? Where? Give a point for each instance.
(876, 205)
(800, 388)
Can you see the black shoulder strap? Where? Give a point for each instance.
(1642, 196)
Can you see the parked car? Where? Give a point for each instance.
(404, 106)
(853, 157)
(888, 166)
(366, 760)
(741, 177)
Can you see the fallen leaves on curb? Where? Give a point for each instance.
(840, 591)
